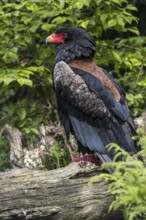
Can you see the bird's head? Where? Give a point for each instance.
(68, 34)
(75, 42)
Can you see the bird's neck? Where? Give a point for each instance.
(90, 67)
(85, 64)
(68, 52)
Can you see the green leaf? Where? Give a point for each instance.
(47, 27)
(13, 55)
(134, 30)
(103, 18)
(143, 83)
(135, 62)
(59, 21)
(121, 22)
(116, 56)
(84, 24)
(21, 113)
(112, 23)
(128, 64)
(79, 5)
(26, 20)
(35, 131)
(6, 80)
(23, 81)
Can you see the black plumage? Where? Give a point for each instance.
(91, 103)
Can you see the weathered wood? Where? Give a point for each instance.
(24, 155)
(60, 194)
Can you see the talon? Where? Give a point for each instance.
(90, 158)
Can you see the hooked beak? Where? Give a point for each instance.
(50, 39)
(55, 38)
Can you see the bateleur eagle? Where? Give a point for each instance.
(91, 104)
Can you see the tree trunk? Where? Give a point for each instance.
(54, 195)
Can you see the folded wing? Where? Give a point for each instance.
(89, 110)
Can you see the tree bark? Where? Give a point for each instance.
(59, 194)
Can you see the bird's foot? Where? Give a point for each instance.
(87, 166)
(86, 158)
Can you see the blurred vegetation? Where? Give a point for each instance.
(57, 157)
(127, 183)
(26, 94)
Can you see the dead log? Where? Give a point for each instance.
(59, 194)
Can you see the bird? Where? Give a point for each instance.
(91, 104)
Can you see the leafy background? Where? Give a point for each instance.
(26, 96)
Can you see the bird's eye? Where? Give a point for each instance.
(65, 35)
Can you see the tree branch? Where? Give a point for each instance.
(58, 194)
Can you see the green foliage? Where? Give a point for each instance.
(127, 182)
(127, 57)
(4, 154)
(142, 137)
(57, 157)
(27, 97)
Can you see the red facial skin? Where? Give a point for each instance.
(55, 38)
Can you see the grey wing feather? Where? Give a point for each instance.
(74, 90)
